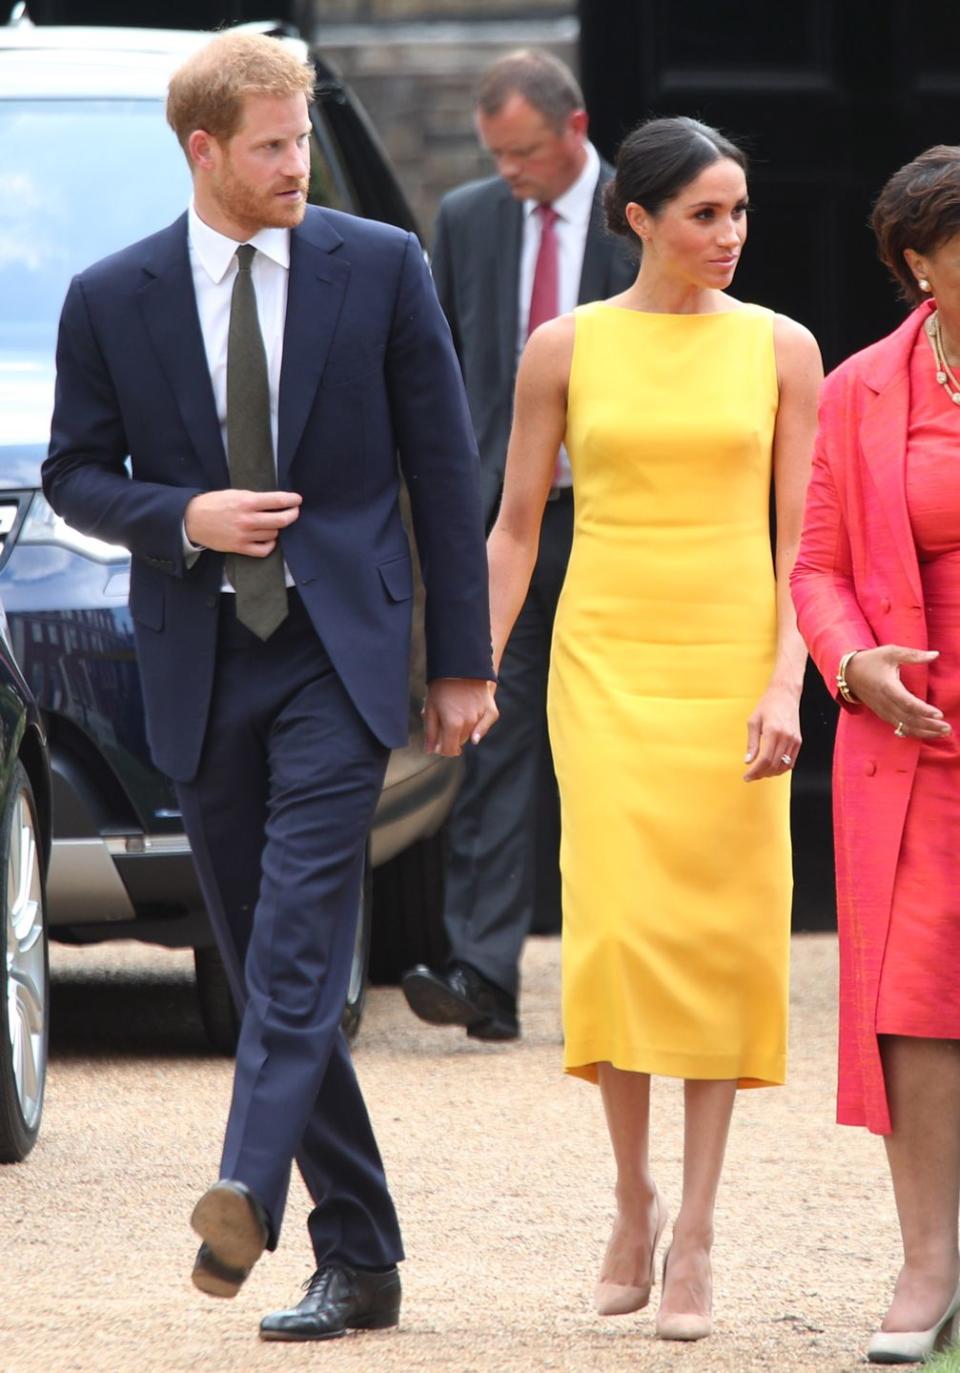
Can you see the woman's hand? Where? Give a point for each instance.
(456, 710)
(773, 734)
(873, 676)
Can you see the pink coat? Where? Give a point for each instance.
(856, 584)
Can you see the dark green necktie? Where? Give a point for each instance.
(259, 582)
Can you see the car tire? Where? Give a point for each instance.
(24, 973)
(218, 1009)
(219, 1013)
(408, 923)
(360, 968)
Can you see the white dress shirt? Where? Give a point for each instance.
(573, 220)
(213, 263)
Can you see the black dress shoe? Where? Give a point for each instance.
(339, 1298)
(234, 1228)
(461, 996)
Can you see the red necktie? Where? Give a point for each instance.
(545, 296)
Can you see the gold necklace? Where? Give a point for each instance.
(945, 375)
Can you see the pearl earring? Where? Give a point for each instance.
(923, 283)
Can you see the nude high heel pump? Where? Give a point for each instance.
(681, 1325)
(619, 1299)
(912, 1346)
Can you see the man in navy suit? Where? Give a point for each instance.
(232, 397)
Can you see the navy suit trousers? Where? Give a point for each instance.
(278, 816)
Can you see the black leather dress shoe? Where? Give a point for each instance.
(339, 1298)
(234, 1228)
(461, 996)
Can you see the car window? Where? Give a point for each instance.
(80, 179)
(328, 185)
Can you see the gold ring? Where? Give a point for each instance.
(900, 731)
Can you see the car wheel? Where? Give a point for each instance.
(217, 1009)
(360, 967)
(24, 974)
(408, 912)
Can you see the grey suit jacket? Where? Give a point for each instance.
(476, 264)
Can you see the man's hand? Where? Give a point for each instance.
(457, 709)
(245, 522)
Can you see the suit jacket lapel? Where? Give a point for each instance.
(169, 307)
(509, 243)
(883, 438)
(594, 274)
(315, 294)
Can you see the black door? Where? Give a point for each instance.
(828, 97)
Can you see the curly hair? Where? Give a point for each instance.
(918, 208)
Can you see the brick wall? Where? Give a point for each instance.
(414, 65)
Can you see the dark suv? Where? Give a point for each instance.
(89, 165)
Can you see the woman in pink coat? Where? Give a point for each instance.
(877, 590)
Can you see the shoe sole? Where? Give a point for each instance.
(437, 1005)
(225, 1221)
(492, 1030)
(384, 1322)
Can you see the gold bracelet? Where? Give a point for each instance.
(841, 678)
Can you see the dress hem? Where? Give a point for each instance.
(689, 1067)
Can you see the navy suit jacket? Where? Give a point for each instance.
(369, 373)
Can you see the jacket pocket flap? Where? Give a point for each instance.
(397, 578)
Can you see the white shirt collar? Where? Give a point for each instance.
(577, 200)
(215, 251)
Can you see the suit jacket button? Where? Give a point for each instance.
(870, 768)
(885, 605)
(211, 602)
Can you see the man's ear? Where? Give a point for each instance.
(578, 122)
(201, 149)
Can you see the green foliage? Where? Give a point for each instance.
(947, 1362)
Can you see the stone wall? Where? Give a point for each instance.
(414, 64)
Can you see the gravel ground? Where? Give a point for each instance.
(502, 1175)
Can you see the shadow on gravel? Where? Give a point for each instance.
(125, 1014)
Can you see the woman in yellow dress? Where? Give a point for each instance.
(675, 643)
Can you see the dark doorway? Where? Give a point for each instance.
(828, 98)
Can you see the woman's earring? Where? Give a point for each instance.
(923, 283)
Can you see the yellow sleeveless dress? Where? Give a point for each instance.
(676, 873)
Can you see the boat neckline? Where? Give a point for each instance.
(676, 314)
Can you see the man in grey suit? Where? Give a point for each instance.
(510, 252)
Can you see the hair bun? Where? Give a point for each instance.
(613, 210)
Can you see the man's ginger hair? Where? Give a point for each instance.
(208, 90)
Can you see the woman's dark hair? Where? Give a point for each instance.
(918, 208)
(656, 160)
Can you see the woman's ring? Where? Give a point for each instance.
(900, 731)
(787, 761)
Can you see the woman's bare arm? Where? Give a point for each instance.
(539, 422)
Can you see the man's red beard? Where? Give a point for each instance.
(249, 205)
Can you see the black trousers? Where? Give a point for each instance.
(278, 817)
(504, 832)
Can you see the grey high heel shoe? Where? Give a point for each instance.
(912, 1346)
(619, 1299)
